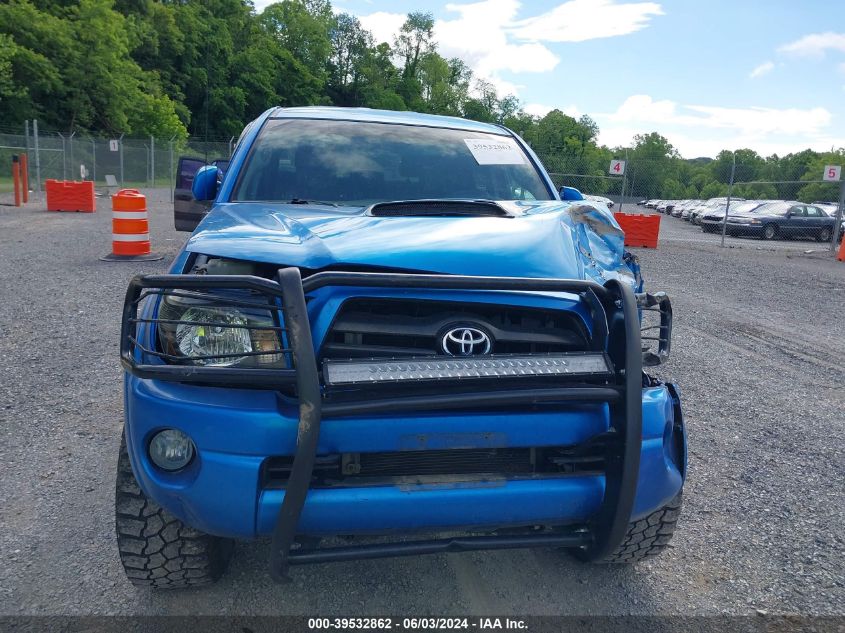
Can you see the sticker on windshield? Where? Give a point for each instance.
(489, 152)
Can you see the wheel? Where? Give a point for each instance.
(647, 537)
(824, 235)
(770, 231)
(158, 550)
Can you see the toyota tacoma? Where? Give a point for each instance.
(390, 325)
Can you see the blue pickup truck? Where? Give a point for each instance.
(389, 324)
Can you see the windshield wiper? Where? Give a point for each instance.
(303, 201)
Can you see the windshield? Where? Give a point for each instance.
(355, 163)
(775, 208)
(745, 207)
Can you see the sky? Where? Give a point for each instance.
(709, 75)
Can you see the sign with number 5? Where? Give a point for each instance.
(832, 172)
(617, 167)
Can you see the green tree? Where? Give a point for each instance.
(351, 44)
(756, 191)
(821, 191)
(304, 29)
(415, 39)
(749, 166)
(652, 161)
(713, 189)
(673, 190)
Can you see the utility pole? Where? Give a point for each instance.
(839, 212)
(37, 155)
(120, 143)
(728, 203)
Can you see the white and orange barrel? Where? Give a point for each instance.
(130, 224)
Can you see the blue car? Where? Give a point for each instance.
(389, 324)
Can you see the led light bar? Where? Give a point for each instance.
(448, 367)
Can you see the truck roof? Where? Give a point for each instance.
(386, 116)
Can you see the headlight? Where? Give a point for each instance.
(207, 332)
(218, 336)
(754, 221)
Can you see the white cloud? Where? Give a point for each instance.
(582, 20)
(766, 130)
(478, 36)
(383, 25)
(763, 69)
(490, 38)
(758, 121)
(752, 120)
(815, 44)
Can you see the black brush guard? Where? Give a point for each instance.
(616, 328)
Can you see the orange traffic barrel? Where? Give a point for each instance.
(130, 227)
(841, 254)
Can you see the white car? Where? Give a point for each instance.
(602, 199)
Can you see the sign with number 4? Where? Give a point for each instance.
(617, 167)
(832, 172)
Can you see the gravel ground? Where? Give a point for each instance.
(758, 351)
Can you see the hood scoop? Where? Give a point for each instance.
(438, 208)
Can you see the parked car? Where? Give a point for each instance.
(831, 208)
(697, 208)
(390, 324)
(678, 208)
(783, 219)
(665, 206)
(652, 204)
(642, 203)
(711, 207)
(600, 199)
(714, 217)
(687, 213)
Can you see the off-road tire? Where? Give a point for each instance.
(158, 550)
(649, 536)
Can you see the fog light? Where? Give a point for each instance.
(171, 449)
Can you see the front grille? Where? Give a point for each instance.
(505, 460)
(362, 468)
(395, 328)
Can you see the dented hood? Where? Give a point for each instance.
(542, 239)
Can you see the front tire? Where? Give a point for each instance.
(770, 231)
(157, 549)
(647, 537)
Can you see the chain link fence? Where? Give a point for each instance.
(809, 209)
(134, 162)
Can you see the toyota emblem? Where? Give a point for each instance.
(466, 341)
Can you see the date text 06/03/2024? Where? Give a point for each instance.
(425, 623)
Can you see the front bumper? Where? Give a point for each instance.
(236, 430)
(221, 492)
(737, 229)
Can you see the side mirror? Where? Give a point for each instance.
(570, 193)
(205, 183)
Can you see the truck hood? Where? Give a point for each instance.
(573, 240)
